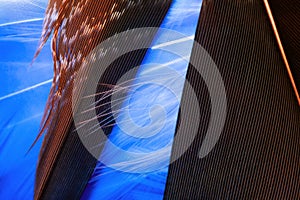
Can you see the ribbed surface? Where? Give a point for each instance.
(258, 155)
(286, 14)
(74, 165)
(65, 166)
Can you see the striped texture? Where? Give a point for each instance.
(79, 26)
(257, 156)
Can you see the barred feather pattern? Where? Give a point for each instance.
(77, 28)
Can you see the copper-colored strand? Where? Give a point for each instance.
(281, 49)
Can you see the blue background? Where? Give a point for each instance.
(22, 96)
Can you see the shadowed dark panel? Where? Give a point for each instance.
(257, 155)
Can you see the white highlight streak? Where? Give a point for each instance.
(25, 90)
(173, 42)
(22, 21)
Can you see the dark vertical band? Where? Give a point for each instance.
(257, 156)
